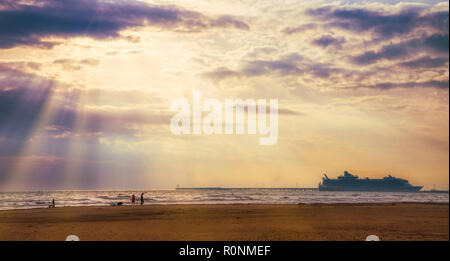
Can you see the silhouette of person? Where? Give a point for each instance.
(142, 198)
(133, 199)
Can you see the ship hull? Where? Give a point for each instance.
(370, 188)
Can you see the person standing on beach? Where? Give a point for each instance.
(142, 198)
(133, 199)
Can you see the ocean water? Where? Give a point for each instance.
(41, 199)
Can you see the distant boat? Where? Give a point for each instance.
(349, 182)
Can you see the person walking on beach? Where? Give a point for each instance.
(133, 199)
(142, 198)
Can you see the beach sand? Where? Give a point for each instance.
(400, 221)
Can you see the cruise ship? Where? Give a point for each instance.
(350, 182)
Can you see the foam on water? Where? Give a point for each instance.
(41, 199)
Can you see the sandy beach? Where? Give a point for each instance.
(399, 221)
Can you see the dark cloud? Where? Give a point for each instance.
(389, 52)
(229, 21)
(328, 40)
(288, 65)
(392, 85)
(322, 70)
(436, 43)
(425, 62)
(385, 25)
(414, 37)
(24, 24)
(292, 64)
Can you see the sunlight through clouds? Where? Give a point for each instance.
(86, 87)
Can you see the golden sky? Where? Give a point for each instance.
(86, 87)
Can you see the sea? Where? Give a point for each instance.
(42, 199)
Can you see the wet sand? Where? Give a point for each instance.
(400, 221)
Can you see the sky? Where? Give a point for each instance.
(86, 88)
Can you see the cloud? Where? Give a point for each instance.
(385, 25)
(288, 65)
(389, 52)
(29, 24)
(221, 73)
(229, 21)
(425, 62)
(292, 64)
(72, 64)
(262, 67)
(285, 65)
(391, 85)
(328, 40)
(436, 43)
(90, 61)
(21, 65)
(299, 29)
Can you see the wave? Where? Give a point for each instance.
(21, 200)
